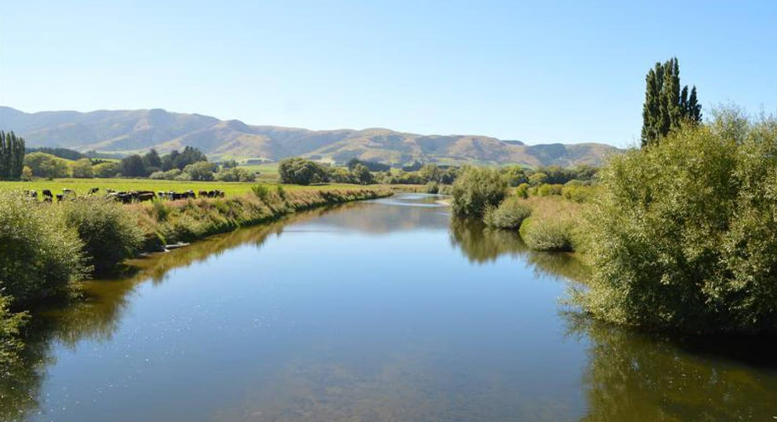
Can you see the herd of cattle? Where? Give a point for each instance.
(127, 197)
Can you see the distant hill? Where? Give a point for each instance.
(131, 131)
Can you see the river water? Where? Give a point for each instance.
(376, 311)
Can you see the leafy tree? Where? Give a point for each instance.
(107, 169)
(229, 164)
(82, 169)
(27, 174)
(301, 171)
(666, 105)
(430, 173)
(235, 174)
(133, 166)
(362, 174)
(152, 161)
(684, 234)
(180, 160)
(11, 155)
(476, 190)
(200, 171)
(65, 153)
(538, 178)
(371, 165)
(45, 165)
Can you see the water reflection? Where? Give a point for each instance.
(639, 377)
(97, 316)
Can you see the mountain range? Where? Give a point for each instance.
(124, 132)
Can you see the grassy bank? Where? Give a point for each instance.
(187, 220)
(47, 250)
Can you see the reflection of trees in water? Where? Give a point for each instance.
(481, 244)
(380, 218)
(97, 316)
(637, 377)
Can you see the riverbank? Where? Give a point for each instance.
(189, 220)
(48, 250)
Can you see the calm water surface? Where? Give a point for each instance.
(376, 311)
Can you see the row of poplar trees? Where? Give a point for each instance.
(667, 106)
(11, 156)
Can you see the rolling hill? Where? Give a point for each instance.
(131, 131)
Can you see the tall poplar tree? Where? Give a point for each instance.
(11, 155)
(666, 105)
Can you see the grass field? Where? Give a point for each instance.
(82, 186)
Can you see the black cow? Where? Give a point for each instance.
(92, 191)
(47, 194)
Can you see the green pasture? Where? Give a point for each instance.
(82, 186)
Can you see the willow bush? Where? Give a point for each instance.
(110, 234)
(509, 214)
(40, 256)
(477, 189)
(684, 234)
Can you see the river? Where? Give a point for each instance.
(376, 311)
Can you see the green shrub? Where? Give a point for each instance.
(261, 191)
(509, 214)
(109, 233)
(548, 190)
(40, 256)
(433, 187)
(577, 192)
(548, 234)
(684, 234)
(301, 171)
(522, 191)
(475, 190)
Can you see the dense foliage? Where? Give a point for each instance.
(685, 233)
(509, 214)
(11, 155)
(108, 231)
(666, 107)
(477, 189)
(301, 171)
(40, 256)
(65, 153)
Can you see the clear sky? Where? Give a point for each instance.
(539, 71)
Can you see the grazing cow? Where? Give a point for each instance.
(60, 197)
(34, 194)
(203, 193)
(47, 194)
(92, 191)
(143, 196)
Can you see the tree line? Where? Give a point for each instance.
(11, 156)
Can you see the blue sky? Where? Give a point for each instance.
(536, 71)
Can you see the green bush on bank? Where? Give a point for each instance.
(40, 256)
(109, 233)
(477, 189)
(548, 234)
(509, 214)
(684, 235)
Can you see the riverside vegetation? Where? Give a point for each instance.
(680, 235)
(46, 250)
